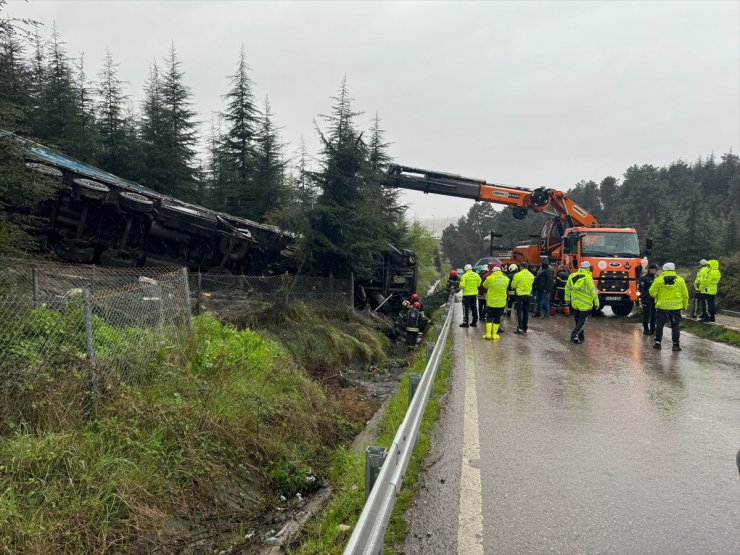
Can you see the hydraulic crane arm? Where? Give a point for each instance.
(549, 201)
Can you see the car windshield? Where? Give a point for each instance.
(610, 244)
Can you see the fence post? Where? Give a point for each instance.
(374, 458)
(351, 289)
(90, 348)
(414, 379)
(198, 294)
(35, 276)
(186, 283)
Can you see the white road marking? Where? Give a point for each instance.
(470, 522)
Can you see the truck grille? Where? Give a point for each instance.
(612, 282)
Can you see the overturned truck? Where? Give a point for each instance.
(100, 218)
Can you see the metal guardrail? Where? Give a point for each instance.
(369, 532)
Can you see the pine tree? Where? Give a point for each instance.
(83, 134)
(268, 183)
(153, 172)
(240, 118)
(14, 80)
(58, 96)
(111, 118)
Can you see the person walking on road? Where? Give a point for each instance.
(543, 283)
(709, 289)
(469, 283)
(496, 285)
(648, 303)
(671, 297)
(700, 305)
(580, 293)
(522, 286)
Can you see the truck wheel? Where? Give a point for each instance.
(90, 189)
(70, 253)
(43, 169)
(112, 257)
(622, 309)
(135, 202)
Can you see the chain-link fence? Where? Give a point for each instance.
(226, 294)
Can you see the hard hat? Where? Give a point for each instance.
(669, 267)
(703, 262)
(585, 264)
(513, 267)
(485, 267)
(467, 267)
(496, 269)
(417, 304)
(414, 297)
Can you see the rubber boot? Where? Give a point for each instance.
(676, 346)
(495, 334)
(488, 335)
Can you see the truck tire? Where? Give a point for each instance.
(71, 253)
(90, 189)
(135, 202)
(48, 171)
(112, 257)
(622, 309)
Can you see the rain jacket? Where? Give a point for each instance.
(496, 284)
(711, 278)
(700, 276)
(580, 291)
(481, 287)
(670, 292)
(522, 282)
(469, 283)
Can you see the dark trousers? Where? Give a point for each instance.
(672, 318)
(580, 316)
(494, 313)
(543, 304)
(710, 308)
(482, 308)
(701, 304)
(648, 316)
(470, 304)
(522, 311)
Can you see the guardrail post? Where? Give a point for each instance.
(414, 379)
(374, 459)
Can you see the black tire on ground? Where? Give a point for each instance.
(112, 257)
(90, 189)
(135, 202)
(71, 253)
(622, 309)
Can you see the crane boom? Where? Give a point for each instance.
(519, 199)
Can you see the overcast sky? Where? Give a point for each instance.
(525, 93)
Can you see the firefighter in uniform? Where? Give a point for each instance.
(496, 285)
(648, 303)
(469, 283)
(671, 297)
(580, 293)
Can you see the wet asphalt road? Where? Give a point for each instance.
(604, 447)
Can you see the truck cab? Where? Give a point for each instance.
(614, 254)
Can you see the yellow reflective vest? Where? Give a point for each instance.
(670, 292)
(580, 291)
(496, 284)
(469, 283)
(711, 278)
(700, 275)
(522, 282)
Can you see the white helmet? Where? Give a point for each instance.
(467, 267)
(703, 262)
(513, 267)
(585, 264)
(669, 267)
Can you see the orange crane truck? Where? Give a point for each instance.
(571, 236)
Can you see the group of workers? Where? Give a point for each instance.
(663, 296)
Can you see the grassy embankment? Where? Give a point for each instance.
(329, 532)
(213, 431)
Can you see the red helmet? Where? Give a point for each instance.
(416, 305)
(414, 297)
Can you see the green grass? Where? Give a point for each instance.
(713, 332)
(221, 426)
(347, 477)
